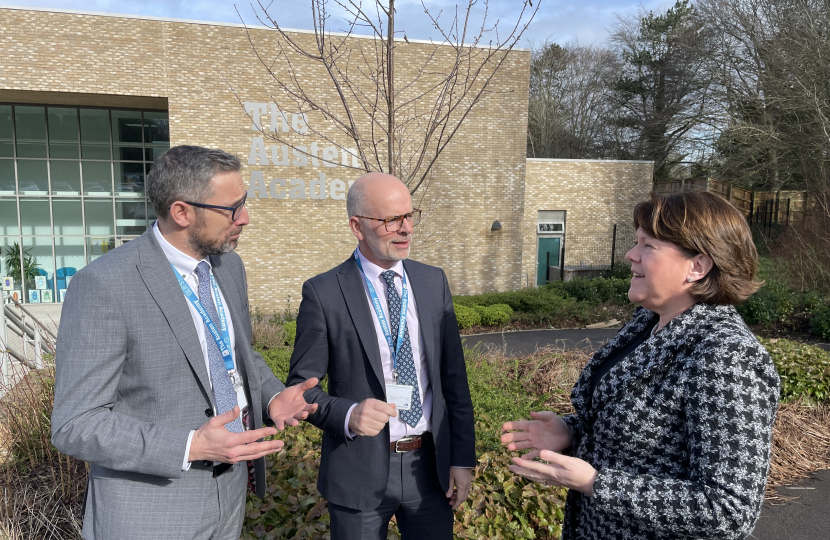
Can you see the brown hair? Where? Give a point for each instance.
(699, 222)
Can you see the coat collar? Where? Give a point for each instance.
(656, 353)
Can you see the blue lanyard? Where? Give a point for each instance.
(223, 340)
(384, 325)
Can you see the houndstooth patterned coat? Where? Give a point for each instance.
(679, 431)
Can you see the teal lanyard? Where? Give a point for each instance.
(223, 339)
(384, 324)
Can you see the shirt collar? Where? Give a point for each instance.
(182, 262)
(373, 271)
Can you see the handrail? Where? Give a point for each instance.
(29, 313)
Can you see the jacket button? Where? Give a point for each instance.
(209, 412)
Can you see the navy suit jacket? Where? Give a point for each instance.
(336, 337)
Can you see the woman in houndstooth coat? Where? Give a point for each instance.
(672, 431)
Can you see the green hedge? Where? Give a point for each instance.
(466, 316)
(595, 291)
(804, 369)
(494, 315)
(501, 504)
(290, 332)
(820, 321)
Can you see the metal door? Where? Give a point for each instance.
(546, 245)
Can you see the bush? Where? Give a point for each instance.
(595, 291)
(804, 369)
(540, 301)
(501, 504)
(290, 332)
(495, 315)
(466, 316)
(773, 303)
(820, 321)
(278, 360)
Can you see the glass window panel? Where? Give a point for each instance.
(35, 218)
(97, 246)
(99, 217)
(95, 134)
(63, 132)
(151, 213)
(130, 217)
(126, 136)
(97, 178)
(69, 258)
(129, 179)
(7, 177)
(30, 126)
(6, 131)
(10, 264)
(8, 217)
(37, 256)
(32, 177)
(66, 177)
(156, 134)
(67, 216)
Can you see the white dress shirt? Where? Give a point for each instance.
(186, 265)
(397, 427)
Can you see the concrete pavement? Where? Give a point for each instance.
(805, 518)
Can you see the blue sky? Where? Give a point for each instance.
(586, 20)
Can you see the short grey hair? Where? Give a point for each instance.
(183, 173)
(356, 200)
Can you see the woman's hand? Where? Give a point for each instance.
(569, 472)
(547, 431)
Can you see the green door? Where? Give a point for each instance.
(546, 245)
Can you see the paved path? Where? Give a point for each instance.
(804, 518)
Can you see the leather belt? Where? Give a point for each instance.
(407, 444)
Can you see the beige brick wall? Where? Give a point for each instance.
(595, 195)
(198, 67)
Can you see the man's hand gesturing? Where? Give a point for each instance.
(289, 407)
(369, 417)
(213, 442)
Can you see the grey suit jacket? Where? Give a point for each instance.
(131, 379)
(336, 337)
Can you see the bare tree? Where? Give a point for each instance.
(394, 121)
(570, 114)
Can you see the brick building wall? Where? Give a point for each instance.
(63, 58)
(595, 194)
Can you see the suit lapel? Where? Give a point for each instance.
(351, 284)
(158, 277)
(420, 290)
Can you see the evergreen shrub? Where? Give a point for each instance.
(466, 316)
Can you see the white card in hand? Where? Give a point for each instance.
(400, 395)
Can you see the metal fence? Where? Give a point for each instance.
(592, 256)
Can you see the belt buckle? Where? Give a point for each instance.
(402, 440)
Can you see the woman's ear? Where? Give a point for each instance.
(701, 265)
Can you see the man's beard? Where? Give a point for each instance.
(205, 246)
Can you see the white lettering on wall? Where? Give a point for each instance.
(300, 156)
(256, 188)
(299, 123)
(258, 152)
(318, 189)
(256, 110)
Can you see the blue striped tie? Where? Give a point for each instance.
(223, 392)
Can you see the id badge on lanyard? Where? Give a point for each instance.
(399, 394)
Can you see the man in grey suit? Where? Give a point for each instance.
(399, 435)
(157, 384)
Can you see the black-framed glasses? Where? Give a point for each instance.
(394, 223)
(235, 211)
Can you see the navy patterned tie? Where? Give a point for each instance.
(406, 365)
(223, 392)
